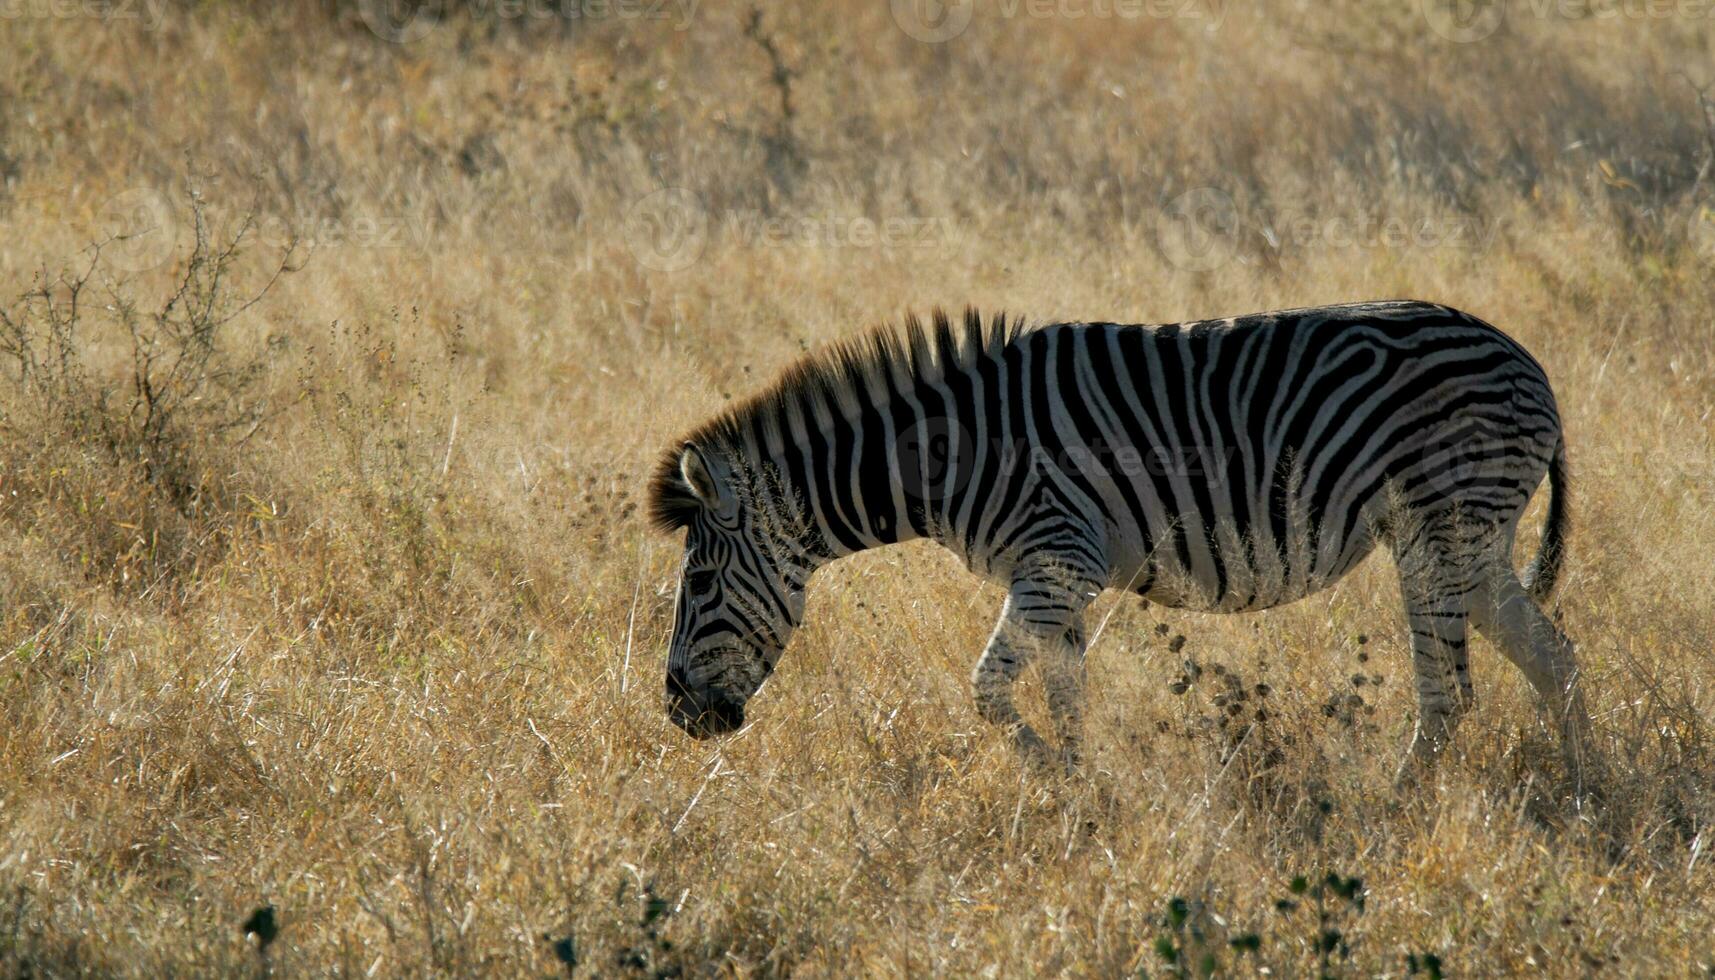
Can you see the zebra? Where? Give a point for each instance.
(1225, 465)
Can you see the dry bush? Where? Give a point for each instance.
(114, 422)
(389, 663)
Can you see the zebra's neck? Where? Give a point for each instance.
(887, 466)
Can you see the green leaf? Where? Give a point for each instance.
(1164, 948)
(1428, 964)
(1248, 942)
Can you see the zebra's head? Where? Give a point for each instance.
(740, 590)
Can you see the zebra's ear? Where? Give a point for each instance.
(700, 477)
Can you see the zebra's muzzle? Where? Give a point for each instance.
(702, 715)
(705, 720)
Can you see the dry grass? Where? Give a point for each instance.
(371, 628)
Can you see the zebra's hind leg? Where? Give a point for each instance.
(1437, 569)
(1512, 620)
(1440, 660)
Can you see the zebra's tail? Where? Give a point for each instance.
(1539, 578)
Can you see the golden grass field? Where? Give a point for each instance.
(344, 602)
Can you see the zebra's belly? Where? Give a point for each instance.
(1240, 576)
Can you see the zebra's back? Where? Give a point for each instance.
(1242, 463)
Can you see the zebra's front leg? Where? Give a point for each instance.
(991, 686)
(1065, 679)
(1041, 618)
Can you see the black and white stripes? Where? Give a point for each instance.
(1226, 465)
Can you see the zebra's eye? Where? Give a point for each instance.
(700, 581)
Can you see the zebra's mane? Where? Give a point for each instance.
(881, 359)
